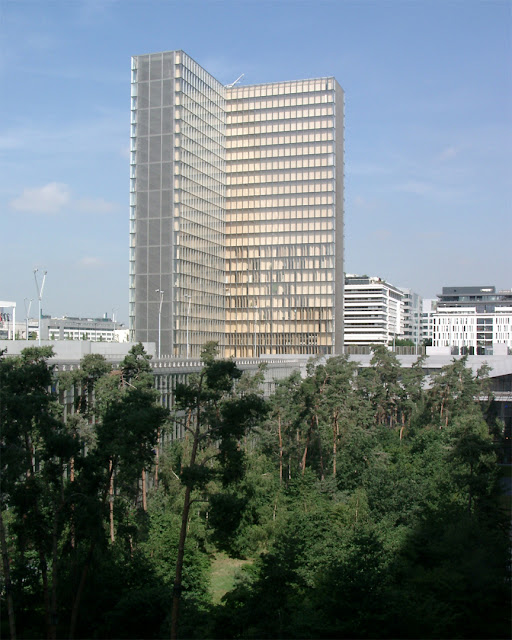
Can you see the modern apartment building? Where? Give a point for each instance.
(428, 309)
(236, 212)
(411, 318)
(373, 311)
(473, 320)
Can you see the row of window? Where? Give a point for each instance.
(283, 152)
(239, 280)
(272, 140)
(280, 88)
(304, 307)
(286, 227)
(247, 168)
(312, 237)
(237, 106)
(296, 213)
(280, 189)
(289, 176)
(281, 127)
(264, 116)
(262, 203)
(281, 251)
(244, 267)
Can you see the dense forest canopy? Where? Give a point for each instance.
(359, 503)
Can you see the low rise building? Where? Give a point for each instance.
(428, 309)
(473, 320)
(71, 328)
(411, 322)
(373, 311)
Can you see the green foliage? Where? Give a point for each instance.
(367, 502)
(56, 478)
(408, 541)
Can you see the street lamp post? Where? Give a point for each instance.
(160, 291)
(254, 320)
(187, 295)
(39, 290)
(27, 314)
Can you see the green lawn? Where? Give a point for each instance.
(223, 570)
(506, 470)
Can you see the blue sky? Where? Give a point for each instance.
(428, 130)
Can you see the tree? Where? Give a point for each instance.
(128, 420)
(216, 420)
(35, 449)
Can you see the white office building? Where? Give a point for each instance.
(428, 309)
(411, 321)
(373, 311)
(473, 320)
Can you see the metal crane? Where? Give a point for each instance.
(228, 86)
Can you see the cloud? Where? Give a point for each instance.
(92, 262)
(48, 199)
(54, 197)
(448, 153)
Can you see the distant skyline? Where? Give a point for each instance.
(428, 131)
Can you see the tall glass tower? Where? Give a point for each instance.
(284, 218)
(177, 204)
(236, 212)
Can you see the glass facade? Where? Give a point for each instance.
(177, 206)
(284, 218)
(236, 212)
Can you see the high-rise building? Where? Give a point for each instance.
(236, 211)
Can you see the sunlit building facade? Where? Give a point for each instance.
(236, 224)
(473, 320)
(373, 311)
(284, 218)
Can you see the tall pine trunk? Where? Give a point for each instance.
(7, 576)
(176, 596)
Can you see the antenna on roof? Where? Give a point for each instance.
(228, 86)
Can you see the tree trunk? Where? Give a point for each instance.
(280, 450)
(303, 463)
(322, 474)
(85, 570)
(46, 593)
(72, 524)
(176, 596)
(144, 491)
(7, 577)
(157, 457)
(53, 604)
(334, 444)
(111, 502)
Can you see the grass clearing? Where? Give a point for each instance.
(506, 470)
(223, 574)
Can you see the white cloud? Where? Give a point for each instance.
(91, 262)
(448, 153)
(54, 197)
(48, 199)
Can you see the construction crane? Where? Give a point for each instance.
(228, 86)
